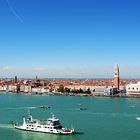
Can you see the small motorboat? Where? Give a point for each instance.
(83, 108)
(138, 118)
(43, 107)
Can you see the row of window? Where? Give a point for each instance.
(133, 88)
(39, 127)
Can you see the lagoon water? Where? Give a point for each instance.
(104, 119)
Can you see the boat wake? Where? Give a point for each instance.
(103, 113)
(18, 108)
(113, 114)
(132, 106)
(6, 126)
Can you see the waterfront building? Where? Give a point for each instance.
(105, 91)
(22, 88)
(83, 87)
(12, 88)
(102, 91)
(3, 88)
(133, 89)
(40, 90)
(116, 77)
(28, 89)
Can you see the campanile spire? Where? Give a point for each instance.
(116, 76)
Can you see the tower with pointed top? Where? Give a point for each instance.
(16, 79)
(116, 77)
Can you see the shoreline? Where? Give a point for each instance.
(72, 94)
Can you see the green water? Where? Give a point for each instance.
(104, 119)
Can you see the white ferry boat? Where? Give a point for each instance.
(51, 125)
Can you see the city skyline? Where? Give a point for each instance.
(69, 39)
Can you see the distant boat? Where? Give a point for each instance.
(43, 107)
(81, 107)
(138, 118)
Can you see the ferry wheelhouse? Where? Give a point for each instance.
(51, 125)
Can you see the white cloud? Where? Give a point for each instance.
(6, 68)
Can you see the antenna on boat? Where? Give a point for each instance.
(72, 128)
(29, 113)
(53, 116)
(30, 116)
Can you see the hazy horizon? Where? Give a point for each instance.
(86, 73)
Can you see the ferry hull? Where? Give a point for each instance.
(59, 132)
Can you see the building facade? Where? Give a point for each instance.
(133, 89)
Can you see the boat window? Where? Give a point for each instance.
(60, 127)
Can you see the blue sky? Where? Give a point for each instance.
(69, 38)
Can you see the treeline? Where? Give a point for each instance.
(76, 91)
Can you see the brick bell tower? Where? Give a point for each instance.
(116, 77)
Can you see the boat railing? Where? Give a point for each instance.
(16, 124)
(44, 123)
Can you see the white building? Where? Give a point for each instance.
(28, 89)
(40, 90)
(3, 88)
(22, 88)
(12, 88)
(105, 91)
(133, 89)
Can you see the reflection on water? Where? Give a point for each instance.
(37, 136)
(44, 136)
